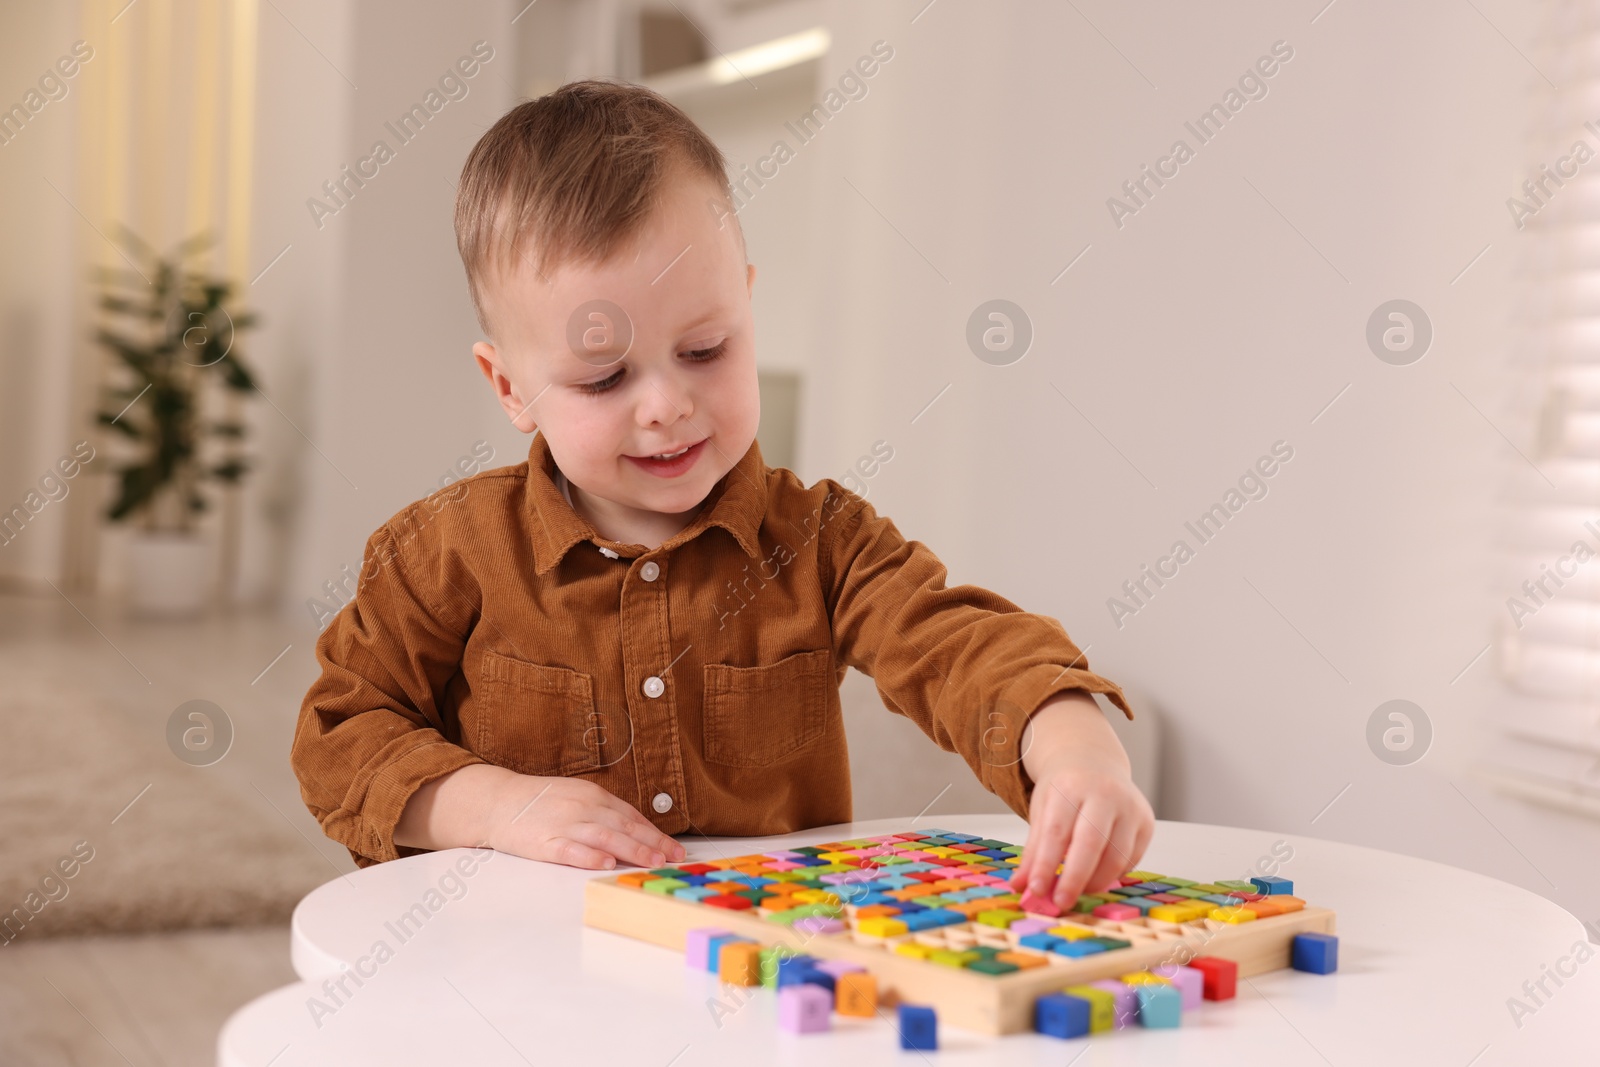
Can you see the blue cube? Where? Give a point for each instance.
(1061, 1015)
(1317, 953)
(1040, 941)
(919, 1027)
(1160, 1006)
(1087, 946)
(1269, 886)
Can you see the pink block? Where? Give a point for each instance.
(697, 945)
(1023, 927)
(818, 924)
(837, 967)
(987, 879)
(783, 854)
(1116, 912)
(803, 1008)
(782, 865)
(1126, 1004)
(1043, 905)
(1190, 983)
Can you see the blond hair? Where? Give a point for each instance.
(571, 177)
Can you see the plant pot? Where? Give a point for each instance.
(169, 574)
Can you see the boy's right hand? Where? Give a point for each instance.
(574, 822)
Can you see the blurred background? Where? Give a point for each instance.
(1090, 270)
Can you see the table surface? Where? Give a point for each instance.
(503, 971)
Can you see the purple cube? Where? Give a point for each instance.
(804, 1008)
(838, 968)
(697, 946)
(1126, 1007)
(1190, 982)
(818, 924)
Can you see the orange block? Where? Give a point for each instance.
(1022, 960)
(855, 993)
(636, 879)
(877, 911)
(740, 963)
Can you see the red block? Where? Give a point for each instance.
(729, 901)
(1221, 976)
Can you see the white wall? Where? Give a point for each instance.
(1192, 338)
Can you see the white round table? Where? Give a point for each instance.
(495, 967)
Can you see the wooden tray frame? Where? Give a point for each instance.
(987, 1004)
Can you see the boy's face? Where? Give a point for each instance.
(564, 361)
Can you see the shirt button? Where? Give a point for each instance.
(654, 687)
(662, 803)
(650, 572)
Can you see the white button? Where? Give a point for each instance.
(654, 687)
(650, 572)
(662, 803)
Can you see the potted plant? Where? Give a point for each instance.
(172, 330)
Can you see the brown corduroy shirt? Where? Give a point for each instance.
(698, 680)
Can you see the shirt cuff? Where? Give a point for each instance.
(365, 824)
(1003, 773)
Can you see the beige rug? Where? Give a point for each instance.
(80, 744)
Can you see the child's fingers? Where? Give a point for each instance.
(1117, 857)
(625, 817)
(574, 853)
(630, 840)
(1084, 850)
(1047, 842)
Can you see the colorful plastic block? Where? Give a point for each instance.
(856, 994)
(804, 1009)
(1062, 1015)
(1189, 982)
(1317, 953)
(1102, 1006)
(919, 1027)
(1124, 998)
(740, 963)
(1221, 976)
(1160, 1006)
(697, 945)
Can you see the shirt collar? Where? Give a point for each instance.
(737, 503)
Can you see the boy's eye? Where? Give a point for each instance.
(698, 355)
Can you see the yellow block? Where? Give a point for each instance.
(1102, 1006)
(740, 963)
(881, 927)
(912, 949)
(951, 958)
(1069, 932)
(1230, 914)
(1142, 978)
(856, 994)
(1179, 913)
(816, 896)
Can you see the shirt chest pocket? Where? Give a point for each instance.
(536, 719)
(758, 716)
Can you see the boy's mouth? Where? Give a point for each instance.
(673, 463)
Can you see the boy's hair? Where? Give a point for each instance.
(572, 176)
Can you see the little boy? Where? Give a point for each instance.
(641, 631)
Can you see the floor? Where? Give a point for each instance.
(159, 1000)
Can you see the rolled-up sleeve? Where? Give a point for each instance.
(371, 729)
(965, 664)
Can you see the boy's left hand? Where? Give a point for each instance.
(1085, 809)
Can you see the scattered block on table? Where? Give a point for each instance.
(697, 946)
(1317, 953)
(1160, 1006)
(792, 969)
(1221, 977)
(1062, 1015)
(1189, 982)
(1102, 1006)
(1124, 1000)
(1143, 978)
(919, 1027)
(804, 1008)
(714, 949)
(1271, 886)
(856, 994)
(739, 963)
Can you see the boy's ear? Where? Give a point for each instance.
(505, 390)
